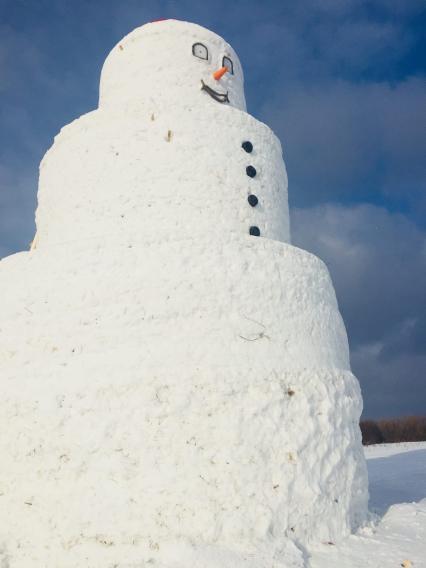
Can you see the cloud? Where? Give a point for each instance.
(359, 46)
(352, 141)
(378, 264)
(392, 387)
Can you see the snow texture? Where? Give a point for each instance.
(176, 392)
(386, 479)
(397, 474)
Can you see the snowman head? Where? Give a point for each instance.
(172, 64)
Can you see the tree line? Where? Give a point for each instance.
(405, 429)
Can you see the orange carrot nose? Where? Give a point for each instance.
(220, 73)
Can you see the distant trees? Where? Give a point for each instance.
(371, 433)
(406, 429)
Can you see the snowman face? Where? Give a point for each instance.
(162, 65)
(201, 51)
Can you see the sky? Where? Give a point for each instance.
(342, 84)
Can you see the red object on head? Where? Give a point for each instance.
(159, 20)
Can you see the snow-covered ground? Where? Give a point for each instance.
(394, 538)
(394, 476)
(397, 535)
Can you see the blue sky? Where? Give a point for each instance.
(342, 83)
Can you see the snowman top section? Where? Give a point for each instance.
(172, 65)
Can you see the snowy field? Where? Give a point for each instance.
(397, 534)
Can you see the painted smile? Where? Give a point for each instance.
(220, 97)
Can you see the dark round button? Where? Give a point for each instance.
(253, 200)
(255, 231)
(247, 146)
(251, 171)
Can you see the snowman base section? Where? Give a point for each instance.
(143, 408)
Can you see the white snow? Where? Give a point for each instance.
(397, 475)
(175, 392)
(154, 65)
(387, 473)
(112, 177)
(386, 450)
(139, 407)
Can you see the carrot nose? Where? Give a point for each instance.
(220, 73)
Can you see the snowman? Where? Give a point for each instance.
(176, 378)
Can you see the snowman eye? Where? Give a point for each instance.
(226, 62)
(200, 50)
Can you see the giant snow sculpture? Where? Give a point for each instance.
(175, 374)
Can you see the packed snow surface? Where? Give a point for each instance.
(175, 391)
(387, 470)
(143, 406)
(397, 475)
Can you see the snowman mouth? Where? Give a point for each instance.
(220, 97)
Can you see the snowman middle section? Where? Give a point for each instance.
(144, 175)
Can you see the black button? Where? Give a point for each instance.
(253, 200)
(247, 146)
(255, 231)
(251, 171)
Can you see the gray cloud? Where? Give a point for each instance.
(391, 388)
(378, 264)
(343, 140)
